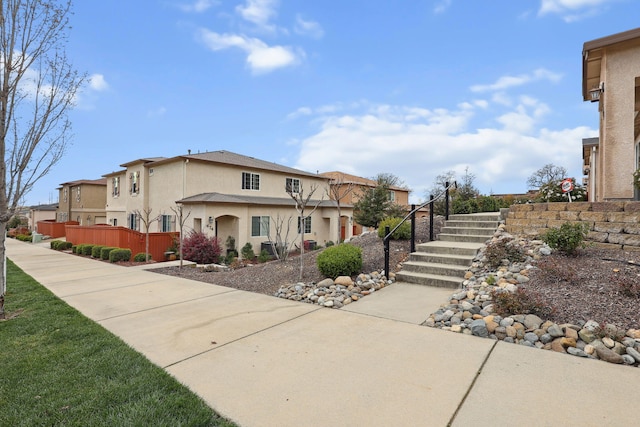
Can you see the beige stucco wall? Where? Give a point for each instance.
(620, 67)
(116, 208)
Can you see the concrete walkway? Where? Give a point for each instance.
(263, 361)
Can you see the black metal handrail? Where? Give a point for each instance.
(412, 215)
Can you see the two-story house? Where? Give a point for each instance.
(83, 201)
(222, 194)
(611, 77)
(350, 188)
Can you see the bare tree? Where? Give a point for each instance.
(147, 220)
(182, 219)
(301, 203)
(38, 87)
(338, 190)
(545, 175)
(282, 236)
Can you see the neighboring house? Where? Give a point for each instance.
(344, 181)
(611, 77)
(41, 213)
(82, 201)
(222, 194)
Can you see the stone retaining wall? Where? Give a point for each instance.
(611, 224)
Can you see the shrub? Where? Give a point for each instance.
(340, 260)
(141, 257)
(105, 251)
(54, 244)
(95, 251)
(120, 254)
(567, 238)
(231, 256)
(74, 249)
(200, 248)
(23, 237)
(402, 233)
(87, 249)
(264, 256)
(63, 246)
(554, 270)
(247, 251)
(330, 243)
(507, 303)
(552, 192)
(503, 249)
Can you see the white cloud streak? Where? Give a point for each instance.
(198, 6)
(507, 82)
(261, 58)
(259, 12)
(98, 83)
(308, 28)
(572, 10)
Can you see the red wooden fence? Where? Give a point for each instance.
(121, 237)
(53, 229)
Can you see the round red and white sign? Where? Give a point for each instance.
(566, 185)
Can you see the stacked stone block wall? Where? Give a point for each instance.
(610, 224)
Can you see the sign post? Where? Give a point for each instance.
(567, 187)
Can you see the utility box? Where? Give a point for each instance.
(36, 238)
(309, 245)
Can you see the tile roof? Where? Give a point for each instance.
(250, 200)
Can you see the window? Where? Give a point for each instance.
(132, 220)
(115, 191)
(65, 194)
(166, 223)
(292, 185)
(392, 195)
(307, 224)
(250, 181)
(259, 226)
(77, 194)
(135, 182)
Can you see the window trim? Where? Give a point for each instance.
(263, 225)
(307, 224)
(292, 185)
(251, 181)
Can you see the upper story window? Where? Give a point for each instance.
(250, 181)
(77, 194)
(115, 191)
(392, 195)
(292, 185)
(135, 182)
(65, 194)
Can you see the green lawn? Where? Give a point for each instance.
(57, 367)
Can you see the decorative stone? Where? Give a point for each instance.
(633, 353)
(609, 355)
(479, 328)
(531, 321)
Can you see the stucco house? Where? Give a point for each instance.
(222, 194)
(83, 201)
(611, 78)
(41, 213)
(358, 185)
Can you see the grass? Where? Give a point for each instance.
(58, 367)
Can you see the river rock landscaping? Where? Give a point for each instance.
(474, 309)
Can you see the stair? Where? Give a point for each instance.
(444, 262)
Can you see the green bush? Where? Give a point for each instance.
(330, 243)
(340, 260)
(120, 254)
(74, 249)
(247, 251)
(87, 249)
(54, 244)
(264, 256)
(503, 249)
(141, 257)
(567, 238)
(23, 237)
(402, 233)
(95, 251)
(105, 251)
(63, 246)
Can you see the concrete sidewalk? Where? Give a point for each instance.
(263, 361)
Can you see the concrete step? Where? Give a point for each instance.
(447, 259)
(449, 248)
(434, 268)
(485, 216)
(468, 230)
(473, 224)
(429, 279)
(463, 238)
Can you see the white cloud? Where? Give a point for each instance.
(310, 28)
(572, 10)
(417, 144)
(442, 6)
(259, 12)
(98, 83)
(507, 82)
(198, 6)
(261, 58)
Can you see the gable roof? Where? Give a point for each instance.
(228, 158)
(143, 160)
(100, 181)
(250, 200)
(346, 178)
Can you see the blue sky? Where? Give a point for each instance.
(412, 88)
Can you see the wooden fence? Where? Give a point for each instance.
(53, 229)
(121, 237)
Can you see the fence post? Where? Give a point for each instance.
(446, 201)
(386, 251)
(431, 215)
(413, 229)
